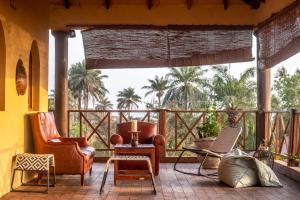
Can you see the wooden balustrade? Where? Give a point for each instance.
(294, 138)
(178, 127)
(284, 134)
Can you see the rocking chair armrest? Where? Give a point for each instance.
(212, 153)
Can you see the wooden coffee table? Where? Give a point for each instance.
(127, 149)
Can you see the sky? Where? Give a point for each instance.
(118, 79)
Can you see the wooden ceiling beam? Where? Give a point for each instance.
(67, 4)
(255, 4)
(189, 4)
(107, 4)
(150, 4)
(225, 2)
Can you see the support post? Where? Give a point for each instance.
(61, 81)
(263, 105)
(162, 123)
(294, 138)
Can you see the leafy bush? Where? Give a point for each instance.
(210, 127)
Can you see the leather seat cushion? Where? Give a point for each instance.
(88, 151)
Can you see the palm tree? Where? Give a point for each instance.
(158, 85)
(104, 104)
(128, 99)
(233, 93)
(186, 86)
(85, 84)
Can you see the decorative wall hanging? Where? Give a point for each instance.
(21, 78)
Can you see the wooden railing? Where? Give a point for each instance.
(178, 127)
(182, 127)
(278, 131)
(98, 125)
(284, 135)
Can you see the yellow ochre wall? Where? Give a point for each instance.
(23, 25)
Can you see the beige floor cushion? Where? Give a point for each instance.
(238, 169)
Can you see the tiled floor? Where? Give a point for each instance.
(170, 185)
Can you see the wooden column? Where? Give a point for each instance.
(263, 104)
(294, 138)
(61, 81)
(162, 128)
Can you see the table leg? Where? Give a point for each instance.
(105, 175)
(116, 171)
(152, 175)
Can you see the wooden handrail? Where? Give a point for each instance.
(178, 126)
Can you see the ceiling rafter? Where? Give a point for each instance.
(150, 4)
(255, 4)
(107, 4)
(189, 4)
(225, 2)
(67, 4)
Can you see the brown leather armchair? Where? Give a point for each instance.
(72, 155)
(148, 135)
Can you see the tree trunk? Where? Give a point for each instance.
(159, 101)
(85, 97)
(232, 117)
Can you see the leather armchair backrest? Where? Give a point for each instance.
(44, 128)
(147, 131)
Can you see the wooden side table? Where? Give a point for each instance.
(141, 150)
(129, 158)
(41, 163)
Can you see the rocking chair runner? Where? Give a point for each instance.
(222, 145)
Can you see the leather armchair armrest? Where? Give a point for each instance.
(116, 139)
(158, 140)
(82, 141)
(68, 156)
(68, 147)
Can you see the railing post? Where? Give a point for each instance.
(108, 128)
(294, 138)
(68, 122)
(80, 124)
(162, 124)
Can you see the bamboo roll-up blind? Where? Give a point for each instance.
(150, 46)
(279, 36)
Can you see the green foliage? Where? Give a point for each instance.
(275, 103)
(86, 84)
(295, 158)
(127, 99)
(233, 93)
(210, 127)
(51, 100)
(104, 104)
(287, 89)
(187, 87)
(158, 85)
(75, 129)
